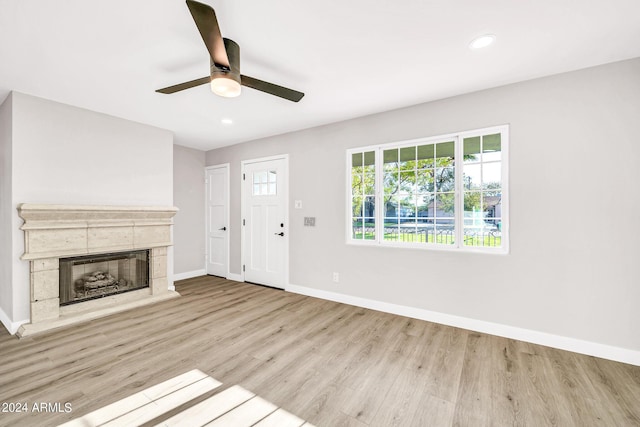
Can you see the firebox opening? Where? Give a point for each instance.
(96, 276)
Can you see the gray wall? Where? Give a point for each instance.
(188, 196)
(68, 155)
(6, 291)
(571, 268)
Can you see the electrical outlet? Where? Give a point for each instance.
(336, 277)
(310, 221)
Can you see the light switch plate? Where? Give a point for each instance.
(298, 204)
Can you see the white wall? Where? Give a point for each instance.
(68, 155)
(189, 222)
(6, 290)
(571, 271)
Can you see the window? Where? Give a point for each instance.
(445, 192)
(264, 183)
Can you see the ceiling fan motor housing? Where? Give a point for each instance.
(233, 53)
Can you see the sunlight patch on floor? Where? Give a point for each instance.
(234, 406)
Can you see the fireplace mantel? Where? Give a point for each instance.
(68, 230)
(52, 232)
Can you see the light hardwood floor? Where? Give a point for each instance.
(328, 363)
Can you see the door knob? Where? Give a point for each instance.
(279, 234)
(222, 229)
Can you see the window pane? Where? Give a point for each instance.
(260, 177)
(444, 232)
(424, 181)
(411, 232)
(423, 204)
(492, 175)
(425, 156)
(491, 147)
(472, 206)
(445, 205)
(427, 232)
(491, 205)
(369, 181)
(369, 162)
(369, 158)
(369, 228)
(484, 236)
(472, 176)
(390, 157)
(391, 180)
(356, 159)
(408, 158)
(357, 185)
(445, 153)
(391, 207)
(408, 231)
(356, 225)
(391, 229)
(357, 178)
(407, 206)
(356, 206)
(369, 206)
(471, 147)
(407, 182)
(445, 179)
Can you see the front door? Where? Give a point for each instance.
(265, 221)
(217, 184)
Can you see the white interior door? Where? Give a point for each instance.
(217, 184)
(265, 222)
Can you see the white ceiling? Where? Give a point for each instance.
(351, 58)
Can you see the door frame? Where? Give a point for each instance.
(243, 207)
(226, 167)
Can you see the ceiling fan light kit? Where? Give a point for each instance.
(227, 81)
(224, 86)
(225, 78)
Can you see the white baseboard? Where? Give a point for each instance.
(189, 274)
(235, 277)
(12, 327)
(564, 343)
(203, 272)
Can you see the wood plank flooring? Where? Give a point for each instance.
(328, 363)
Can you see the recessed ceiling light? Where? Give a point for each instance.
(482, 41)
(226, 121)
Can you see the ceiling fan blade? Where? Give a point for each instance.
(185, 85)
(207, 23)
(270, 88)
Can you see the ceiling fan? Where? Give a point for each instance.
(225, 77)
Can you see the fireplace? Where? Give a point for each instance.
(97, 276)
(92, 261)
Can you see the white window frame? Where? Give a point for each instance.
(458, 139)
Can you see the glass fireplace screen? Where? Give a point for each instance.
(96, 276)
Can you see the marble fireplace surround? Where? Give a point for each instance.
(52, 232)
